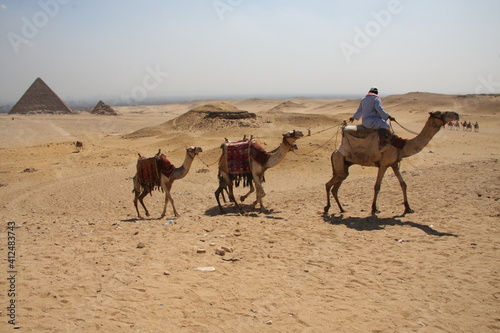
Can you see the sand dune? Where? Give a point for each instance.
(86, 263)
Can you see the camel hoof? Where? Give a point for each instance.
(409, 211)
(375, 211)
(242, 198)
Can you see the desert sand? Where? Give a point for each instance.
(85, 262)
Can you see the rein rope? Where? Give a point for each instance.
(207, 165)
(325, 143)
(406, 129)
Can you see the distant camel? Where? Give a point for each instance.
(464, 125)
(388, 156)
(79, 146)
(161, 180)
(476, 127)
(457, 125)
(257, 170)
(469, 126)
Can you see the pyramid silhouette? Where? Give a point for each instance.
(103, 109)
(39, 98)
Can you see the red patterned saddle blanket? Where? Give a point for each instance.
(148, 169)
(147, 172)
(164, 165)
(239, 154)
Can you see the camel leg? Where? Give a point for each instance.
(137, 192)
(141, 198)
(380, 176)
(328, 187)
(226, 184)
(223, 196)
(218, 192)
(340, 173)
(168, 197)
(260, 193)
(333, 185)
(233, 199)
(395, 168)
(138, 196)
(252, 189)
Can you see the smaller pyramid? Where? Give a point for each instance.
(104, 109)
(40, 99)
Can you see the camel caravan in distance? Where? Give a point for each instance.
(246, 161)
(466, 126)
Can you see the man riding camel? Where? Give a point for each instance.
(372, 114)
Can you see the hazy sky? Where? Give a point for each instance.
(124, 50)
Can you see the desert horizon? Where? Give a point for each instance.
(85, 261)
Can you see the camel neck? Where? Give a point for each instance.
(279, 154)
(182, 171)
(415, 145)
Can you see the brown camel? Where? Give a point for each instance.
(226, 180)
(163, 181)
(389, 156)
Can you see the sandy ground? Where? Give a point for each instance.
(85, 263)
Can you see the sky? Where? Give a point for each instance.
(137, 51)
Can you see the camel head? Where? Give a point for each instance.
(442, 118)
(193, 151)
(290, 137)
(293, 134)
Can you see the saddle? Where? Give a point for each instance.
(359, 131)
(149, 169)
(362, 145)
(239, 154)
(385, 137)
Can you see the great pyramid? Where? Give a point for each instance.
(104, 109)
(39, 98)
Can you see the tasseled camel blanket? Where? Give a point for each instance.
(361, 145)
(239, 154)
(150, 169)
